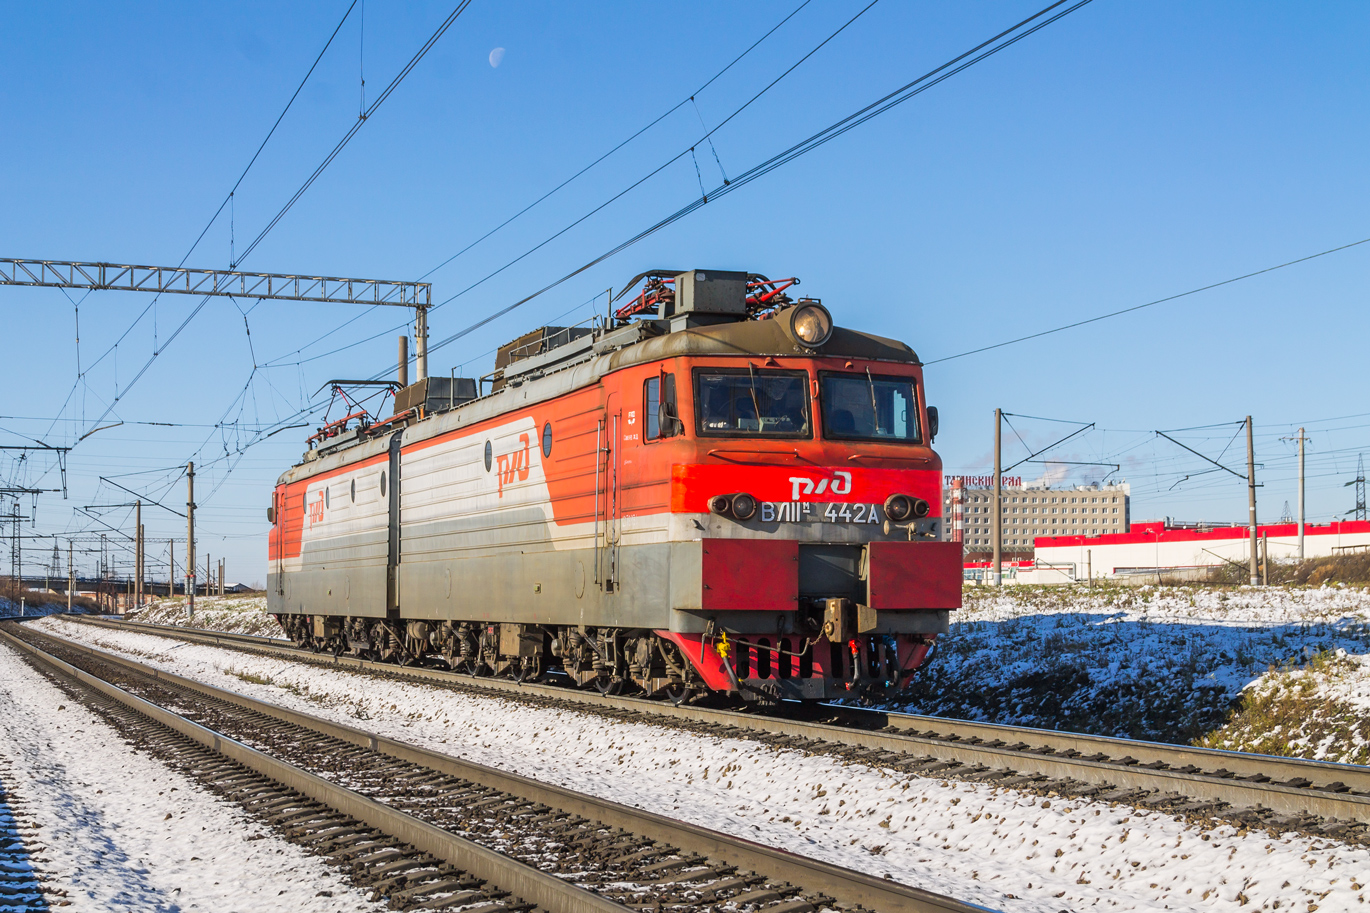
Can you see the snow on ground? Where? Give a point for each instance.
(1167, 664)
(116, 830)
(995, 847)
(11, 608)
(1158, 663)
(230, 614)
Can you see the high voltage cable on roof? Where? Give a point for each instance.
(985, 49)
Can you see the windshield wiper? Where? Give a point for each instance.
(875, 412)
(751, 372)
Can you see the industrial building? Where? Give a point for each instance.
(1030, 511)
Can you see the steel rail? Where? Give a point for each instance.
(1289, 786)
(523, 881)
(846, 886)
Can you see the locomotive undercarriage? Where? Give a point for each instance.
(611, 660)
(616, 660)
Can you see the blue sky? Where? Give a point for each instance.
(1126, 153)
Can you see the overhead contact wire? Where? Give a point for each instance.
(674, 108)
(922, 83)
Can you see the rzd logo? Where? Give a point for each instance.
(316, 511)
(841, 485)
(513, 464)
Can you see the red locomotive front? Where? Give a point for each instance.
(720, 491)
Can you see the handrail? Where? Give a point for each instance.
(397, 417)
(324, 432)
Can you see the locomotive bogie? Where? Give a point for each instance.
(713, 510)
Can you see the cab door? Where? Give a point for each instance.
(391, 492)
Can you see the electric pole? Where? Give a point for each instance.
(1251, 499)
(71, 577)
(1359, 481)
(189, 538)
(138, 554)
(1300, 494)
(997, 566)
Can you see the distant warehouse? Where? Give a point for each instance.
(1163, 551)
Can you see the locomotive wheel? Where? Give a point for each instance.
(609, 686)
(678, 693)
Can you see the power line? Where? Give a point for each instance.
(1138, 307)
(674, 108)
(921, 84)
(672, 160)
(237, 183)
(357, 125)
(617, 196)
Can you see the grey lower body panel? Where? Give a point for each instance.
(655, 586)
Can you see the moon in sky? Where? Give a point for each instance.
(496, 56)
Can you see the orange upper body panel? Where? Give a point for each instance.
(678, 474)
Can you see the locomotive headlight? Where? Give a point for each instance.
(811, 324)
(902, 507)
(741, 506)
(898, 507)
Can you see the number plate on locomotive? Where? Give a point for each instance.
(818, 512)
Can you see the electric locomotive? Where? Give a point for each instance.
(715, 489)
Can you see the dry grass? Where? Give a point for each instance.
(1290, 715)
(1353, 568)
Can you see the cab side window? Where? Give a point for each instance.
(659, 405)
(652, 408)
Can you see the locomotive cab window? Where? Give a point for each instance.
(659, 407)
(744, 402)
(870, 407)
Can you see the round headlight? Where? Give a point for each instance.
(902, 507)
(744, 506)
(719, 504)
(811, 324)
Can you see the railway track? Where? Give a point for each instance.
(21, 883)
(428, 831)
(1280, 794)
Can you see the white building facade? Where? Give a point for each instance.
(1031, 511)
(1155, 551)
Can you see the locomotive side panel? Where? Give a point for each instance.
(333, 537)
(511, 521)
